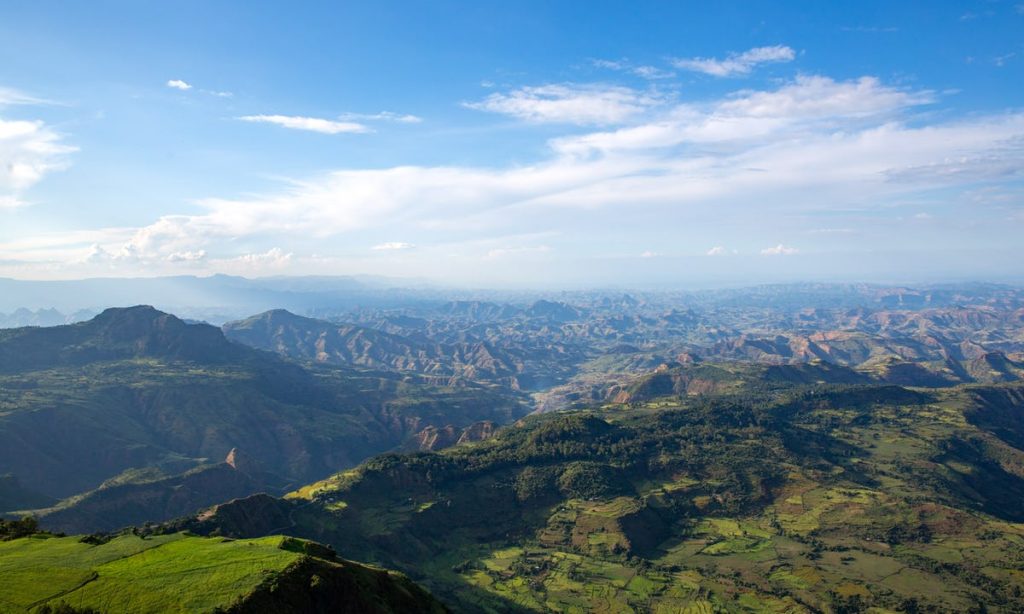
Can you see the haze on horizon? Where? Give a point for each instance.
(529, 144)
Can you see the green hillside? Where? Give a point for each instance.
(180, 573)
(816, 498)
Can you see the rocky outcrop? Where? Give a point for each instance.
(435, 438)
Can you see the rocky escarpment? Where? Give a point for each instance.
(437, 438)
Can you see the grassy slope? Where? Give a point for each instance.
(170, 573)
(179, 573)
(894, 504)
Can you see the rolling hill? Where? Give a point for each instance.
(800, 498)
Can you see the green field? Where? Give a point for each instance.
(178, 572)
(170, 573)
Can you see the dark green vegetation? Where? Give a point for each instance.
(128, 417)
(16, 496)
(808, 498)
(181, 573)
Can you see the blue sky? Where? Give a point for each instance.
(514, 143)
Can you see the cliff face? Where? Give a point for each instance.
(434, 438)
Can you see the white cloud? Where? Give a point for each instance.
(652, 72)
(274, 260)
(402, 118)
(569, 104)
(178, 84)
(806, 147)
(1001, 60)
(648, 254)
(511, 252)
(218, 94)
(832, 231)
(717, 250)
(779, 250)
(870, 29)
(195, 256)
(312, 124)
(393, 245)
(611, 64)
(646, 72)
(813, 97)
(274, 255)
(29, 149)
(11, 96)
(96, 254)
(806, 105)
(736, 64)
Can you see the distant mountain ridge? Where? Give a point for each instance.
(448, 362)
(136, 388)
(115, 334)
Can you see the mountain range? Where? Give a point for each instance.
(797, 449)
(127, 417)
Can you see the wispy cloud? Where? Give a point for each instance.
(311, 124)
(178, 84)
(737, 64)
(11, 96)
(646, 72)
(809, 145)
(779, 250)
(392, 245)
(273, 258)
(832, 231)
(569, 103)
(806, 104)
(29, 149)
(870, 29)
(402, 118)
(1001, 60)
(527, 250)
(652, 72)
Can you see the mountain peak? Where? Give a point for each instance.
(116, 334)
